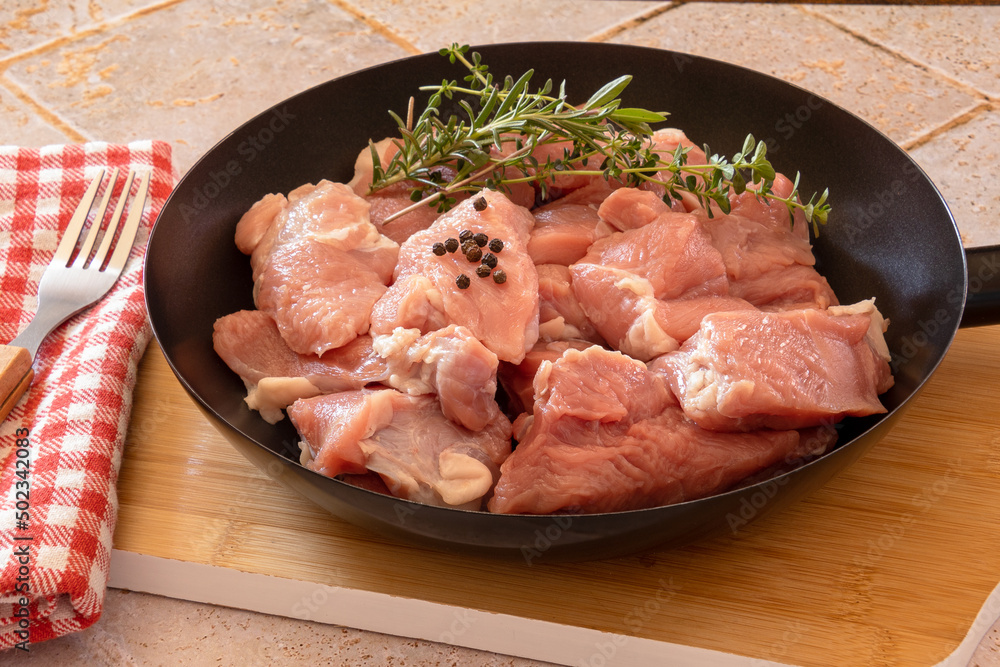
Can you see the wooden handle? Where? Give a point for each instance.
(15, 376)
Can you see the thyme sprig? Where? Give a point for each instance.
(440, 157)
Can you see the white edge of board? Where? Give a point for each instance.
(406, 617)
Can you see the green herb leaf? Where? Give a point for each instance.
(619, 136)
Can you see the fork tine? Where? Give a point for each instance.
(72, 233)
(95, 226)
(127, 238)
(109, 233)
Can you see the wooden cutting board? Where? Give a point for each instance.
(886, 565)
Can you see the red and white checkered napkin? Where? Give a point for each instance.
(55, 530)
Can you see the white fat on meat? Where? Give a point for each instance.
(791, 369)
(449, 362)
(646, 287)
(273, 394)
(645, 338)
(319, 264)
(249, 343)
(558, 329)
(420, 454)
(876, 330)
(560, 315)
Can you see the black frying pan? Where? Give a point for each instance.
(890, 236)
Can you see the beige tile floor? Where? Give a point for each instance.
(188, 71)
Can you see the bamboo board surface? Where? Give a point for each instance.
(886, 565)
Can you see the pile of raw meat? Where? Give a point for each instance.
(648, 353)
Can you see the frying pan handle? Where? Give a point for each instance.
(982, 304)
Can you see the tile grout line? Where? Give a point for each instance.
(46, 114)
(379, 27)
(983, 101)
(966, 88)
(949, 124)
(633, 22)
(89, 31)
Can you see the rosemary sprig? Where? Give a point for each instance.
(439, 157)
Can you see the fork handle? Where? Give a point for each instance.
(15, 376)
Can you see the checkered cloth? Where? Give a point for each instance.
(56, 522)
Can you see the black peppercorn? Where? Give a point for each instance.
(451, 244)
(483, 271)
(480, 204)
(474, 254)
(480, 239)
(463, 281)
(499, 276)
(490, 260)
(464, 235)
(438, 249)
(496, 245)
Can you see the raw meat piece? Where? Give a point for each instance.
(645, 289)
(450, 363)
(626, 209)
(751, 247)
(665, 142)
(592, 194)
(419, 453)
(793, 369)
(813, 443)
(320, 296)
(518, 380)
(326, 212)
(364, 167)
(255, 223)
(794, 287)
(275, 375)
(625, 311)
(606, 436)
(667, 139)
(768, 261)
(563, 232)
(390, 200)
(599, 384)
(771, 213)
(559, 311)
(318, 266)
(425, 294)
(559, 184)
(386, 204)
(670, 250)
(318, 263)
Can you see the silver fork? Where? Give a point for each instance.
(67, 287)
